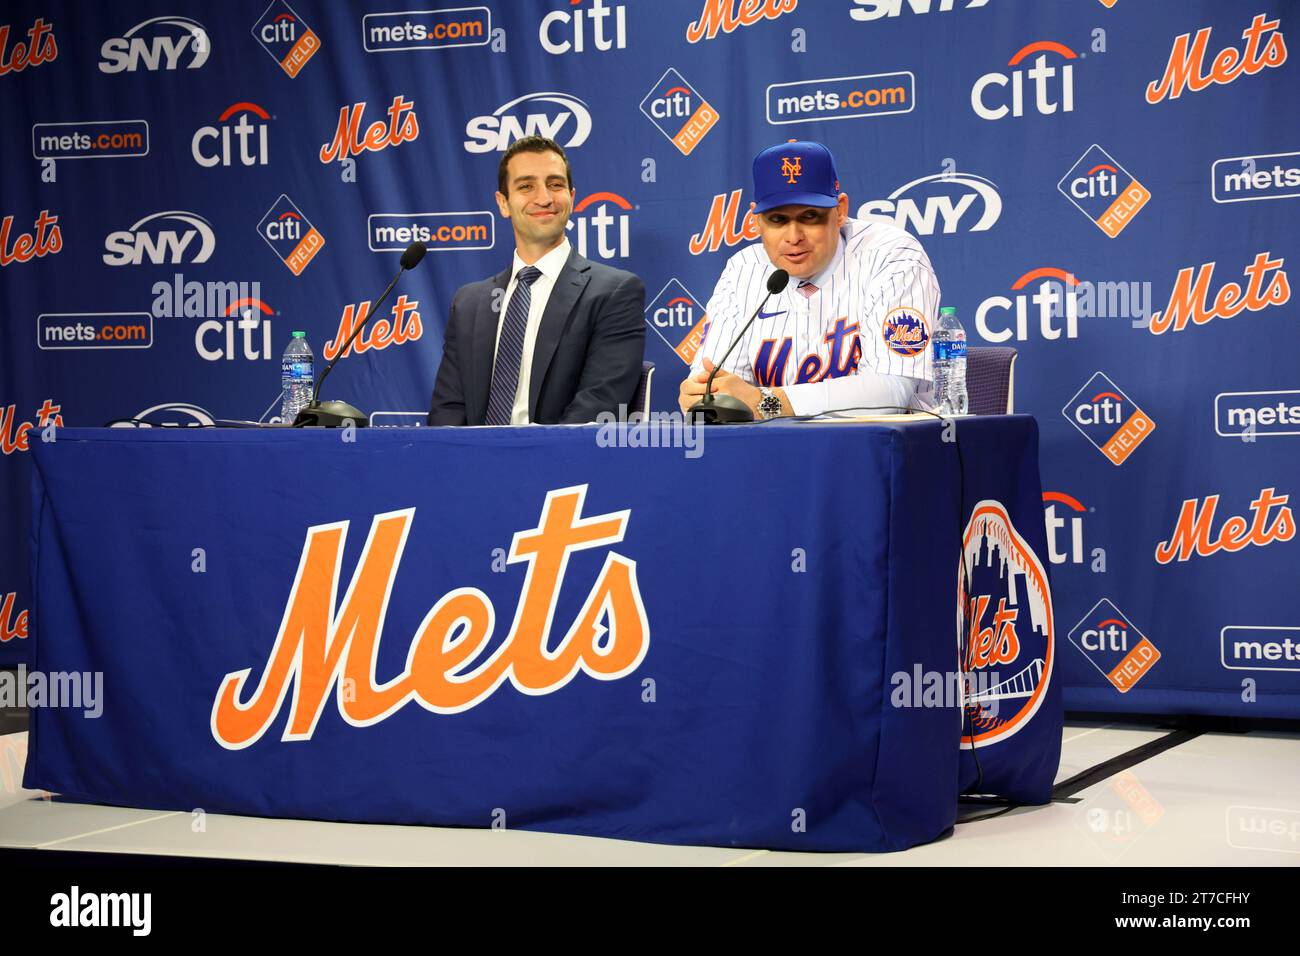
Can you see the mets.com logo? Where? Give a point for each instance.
(318, 649)
(841, 98)
(1010, 628)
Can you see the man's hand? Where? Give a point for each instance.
(724, 383)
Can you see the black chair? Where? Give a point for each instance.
(991, 380)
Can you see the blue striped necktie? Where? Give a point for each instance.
(510, 350)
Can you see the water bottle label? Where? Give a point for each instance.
(948, 351)
(298, 371)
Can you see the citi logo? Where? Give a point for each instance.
(41, 47)
(922, 208)
(247, 316)
(562, 31)
(728, 16)
(236, 138)
(402, 127)
(192, 242)
(565, 119)
(1057, 288)
(1191, 299)
(1064, 514)
(726, 224)
(611, 229)
(1187, 60)
(163, 43)
(867, 10)
(1045, 80)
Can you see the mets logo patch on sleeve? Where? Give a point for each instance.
(906, 332)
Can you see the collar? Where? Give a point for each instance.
(550, 264)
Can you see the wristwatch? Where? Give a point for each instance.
(770, 405)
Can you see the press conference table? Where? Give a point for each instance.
(531, 628)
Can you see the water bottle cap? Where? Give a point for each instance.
(299, 335)
(948, 310)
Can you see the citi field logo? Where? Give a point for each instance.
(1192, 301)
(906, 332)
(677, 317)
(729, 222)
(239, 137)
(1103, 190)
(404, 326)
(1271, 521)
(403, 126)
(1056, 289)
(1065, 516)
(1011, 630)
(162, 43)
(868, 10)
(1048, 81)
(41, 47)
(1184, 71)
(447, 670)
(679, 111)
(562, 117)
(290, 235)
(286, 37)
(165, 238)
(959, 201)
(1108, 418)
(45, 240)
(565, 31)
(426, 29)
(609, 223)
(1246, 178)
(727, 16)
(235, 334)
(15, 435)
(1110, 642)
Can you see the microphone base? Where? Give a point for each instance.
(721, 410)
(332, 414)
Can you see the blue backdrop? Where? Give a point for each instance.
(1097, 183)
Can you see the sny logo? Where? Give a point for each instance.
(903, 211)
(446, 670)
(679, 111)
(40, 47)
(496, 132)
(1106, 193)
(1057, 285)
(1110, 420)
(602, 220)
(251, 152)
(130, 247)
(1187, 58)
(1111, 643)
(1190, 299)
(159, 45)
(289, 234)
(572, 28)
(677, 317)
(286, 37)
(402, 127)
(894, 8)
(1040, 73)
(726, 225)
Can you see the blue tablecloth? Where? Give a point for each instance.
(742, 643)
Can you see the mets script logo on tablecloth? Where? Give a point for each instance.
(318, 650)
(1010, 627)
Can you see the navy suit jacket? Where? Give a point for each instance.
(586, 360)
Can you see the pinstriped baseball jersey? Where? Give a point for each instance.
(872, 314)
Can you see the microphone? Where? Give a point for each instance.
(333, 414)
(727, 409)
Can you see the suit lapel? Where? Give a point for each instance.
(486, 319)
(568, 286)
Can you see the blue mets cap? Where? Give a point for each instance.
(797, 173)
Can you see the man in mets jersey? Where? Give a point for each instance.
(850, 333)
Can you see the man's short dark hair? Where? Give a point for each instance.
(531, 144)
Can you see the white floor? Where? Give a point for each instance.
(1217, 800)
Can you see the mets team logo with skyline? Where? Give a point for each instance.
(1010, 630)
(906, 332)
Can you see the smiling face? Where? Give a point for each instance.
(538, 202)
(802, 239)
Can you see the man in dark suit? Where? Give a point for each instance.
(555, 338)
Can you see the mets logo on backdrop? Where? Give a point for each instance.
(1121, 652)
(906, 332)
(1010, 629)
(447, 670)
(286, 36)
(679, 111)
(678, 318)
(1108, 418)
(1103, 190)
(288, 232)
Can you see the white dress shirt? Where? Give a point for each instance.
(550, 266)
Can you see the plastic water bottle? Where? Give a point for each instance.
(297, 377)
(950, 363)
